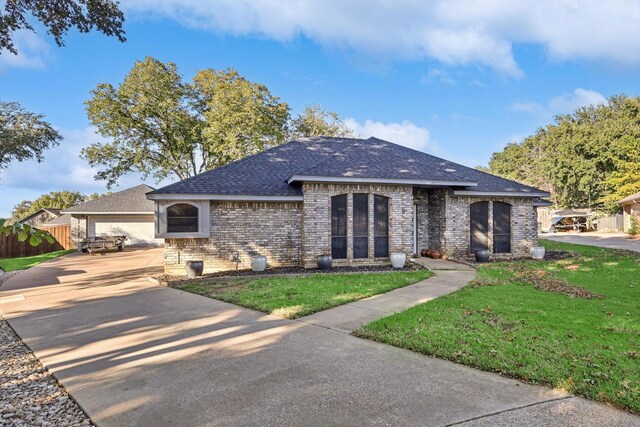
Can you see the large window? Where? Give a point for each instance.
(182, 218)
(360, 225)
(381, 226)
(479, 230)
(501, 228)
(339, 226)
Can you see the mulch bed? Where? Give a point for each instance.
(284, 271)
(550, 255)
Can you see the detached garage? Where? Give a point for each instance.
(127, 212)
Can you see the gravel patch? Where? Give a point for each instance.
(4, 276)
(29, 394)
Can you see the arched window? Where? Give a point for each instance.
(339, 226)
(380, 226)
(479, 227)
(501, 228)
(182, 218)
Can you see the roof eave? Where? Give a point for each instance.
(224, 197)
(542, 203)
(392, 181)
(501, 193)
(628, 202)
(106, 213)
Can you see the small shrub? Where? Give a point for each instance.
(634, 228)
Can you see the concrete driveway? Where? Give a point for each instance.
(604, 240)
(133, 353)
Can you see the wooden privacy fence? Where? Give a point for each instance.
(615, 222)
(62, 233)
(11, 247)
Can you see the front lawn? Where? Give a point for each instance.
(572, 324)
(298, 296)
(11, 264)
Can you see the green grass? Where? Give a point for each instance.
(11, 264)
(298, 296)
(590, 347)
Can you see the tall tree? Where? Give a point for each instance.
(160, 126)
(316, 121)
(150, 122)
(56, 199)
(58, 16)
(23, 135)
(242, 117)
(590, 157)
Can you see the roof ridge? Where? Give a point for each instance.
(396, 156)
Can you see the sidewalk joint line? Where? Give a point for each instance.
(555, 399)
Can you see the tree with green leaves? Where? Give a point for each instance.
(160, 126)
(588, 158)
(58, 16)
(26, 232)
(56, 199)
(150, 122)
(317, 121)
(241, 117)
(23, 135)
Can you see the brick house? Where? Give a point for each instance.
(630, 208)
(356, 199)
(127, 212)
(40, 217)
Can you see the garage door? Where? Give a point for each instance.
(139, 229)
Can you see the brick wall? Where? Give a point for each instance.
(316, 220)
(421, 200)
(437, 218)
(240, 230)
(523, 226)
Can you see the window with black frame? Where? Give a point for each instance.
(182, 218)
(339, 226)
(501, 228)
(479, 227)
(360, 225)
(381, 226)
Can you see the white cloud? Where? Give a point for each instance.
(457, 33)
(404, 133)
(527, 107)
(62, 169)
(438, 75)
(569, 102)
(32, 51)
(563, 104)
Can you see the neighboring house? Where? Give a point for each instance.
(356, 199)
(40, 217)
(127, 212)
(630, 207)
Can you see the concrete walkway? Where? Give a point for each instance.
(449, 277)
(603, 240)
(135, 354)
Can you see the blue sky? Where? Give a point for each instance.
(458, 79)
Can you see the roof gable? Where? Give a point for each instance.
(54, 212)
(132, 200)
